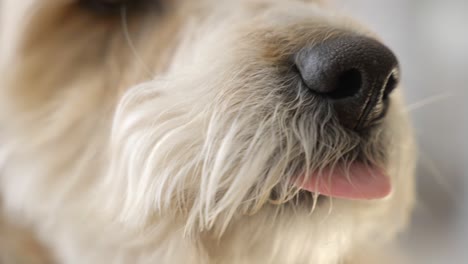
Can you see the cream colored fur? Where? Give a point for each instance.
(159, 137)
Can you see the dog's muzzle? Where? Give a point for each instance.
(355, 73)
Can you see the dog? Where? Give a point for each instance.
(208, 131)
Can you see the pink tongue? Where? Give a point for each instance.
(356, 182)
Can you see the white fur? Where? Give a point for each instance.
(180, 169)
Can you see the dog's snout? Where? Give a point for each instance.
(355, 73)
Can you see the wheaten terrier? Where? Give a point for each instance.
(200, 131)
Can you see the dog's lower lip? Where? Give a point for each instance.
(355, 182)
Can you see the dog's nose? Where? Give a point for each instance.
(355, 73)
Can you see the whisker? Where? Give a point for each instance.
(436, 174)
(130, 43)
(428, 101)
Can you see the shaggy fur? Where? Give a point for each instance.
(171, 132)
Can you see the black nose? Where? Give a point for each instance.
(355, 73)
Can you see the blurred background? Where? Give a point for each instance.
(430, 38)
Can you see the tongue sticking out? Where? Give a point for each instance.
(356, 182)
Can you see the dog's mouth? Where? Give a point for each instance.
(355, 181)
(357, 174)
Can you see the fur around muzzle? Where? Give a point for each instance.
(176, 133)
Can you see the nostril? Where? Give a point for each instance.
(348, 84)
(392, 83)
(356, 74)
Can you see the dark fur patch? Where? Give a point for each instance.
(114, 7)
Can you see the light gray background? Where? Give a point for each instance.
(431, 39)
